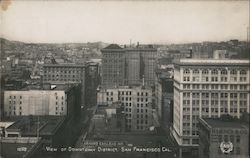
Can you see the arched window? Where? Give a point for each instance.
(186, 71)
(205, 71)
(224, 72)
(214, 72)
(195, 71)
(233, 72)
(243, 72)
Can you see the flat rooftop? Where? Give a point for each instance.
(10, 147)
(212, 62)
(52, 87)
(65, 65)
(219, 123)
(27, 125)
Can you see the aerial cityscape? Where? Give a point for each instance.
(140, 98)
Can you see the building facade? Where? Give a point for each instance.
(207, 89)
(60, 100)
(128, 66)
(65, 74)
(223, 139)
(136, 103)
(140, 65)
(113, 66)
(92, 82)
(164, 96)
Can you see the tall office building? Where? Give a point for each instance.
(140, 65)
(208, 89)
(113, 65)
(129, 65)
(92, 82)
(134, 67)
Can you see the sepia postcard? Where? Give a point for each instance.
(123, 78)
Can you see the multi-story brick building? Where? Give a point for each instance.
(65, 74)
(136, 102)
(113, 65)
(207, 88)
(140, 65)
(129, 65)
(221, 138)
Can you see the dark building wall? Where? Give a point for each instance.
(92, 82)
(113, 67)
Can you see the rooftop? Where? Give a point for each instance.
(64, 65)
(212, 62)
(116, 47)
(112, 46)
(10, 147)
(28, 125)
(220, 123)
(54, 87)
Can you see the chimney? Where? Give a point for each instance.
(137, 44)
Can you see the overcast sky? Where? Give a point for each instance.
(118, 22)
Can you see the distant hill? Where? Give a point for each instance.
(9, 46)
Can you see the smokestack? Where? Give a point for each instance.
(137, 44)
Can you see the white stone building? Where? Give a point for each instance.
(208, 89)
(56, 101)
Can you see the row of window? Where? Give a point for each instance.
(242, 109)
(15, 97)
(214, 95)
(124, 93)
(187, 132)
(65, 72)
(187, 141)
(215, 79)
(58, 97)
(215, 71)
(57, 108)
(142, 122)
(14, 102)
(61, 76)
(140, 127)
(128, 93)
(14, 113)
(10, 107)
(142, 110)
(215, 86)
(141, 116)
(61, 79)
(232, 138)
(128, 99)
(142, 105)
(214, 102)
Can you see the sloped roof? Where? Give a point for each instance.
(113, 46)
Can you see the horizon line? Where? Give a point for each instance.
(154, 43)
